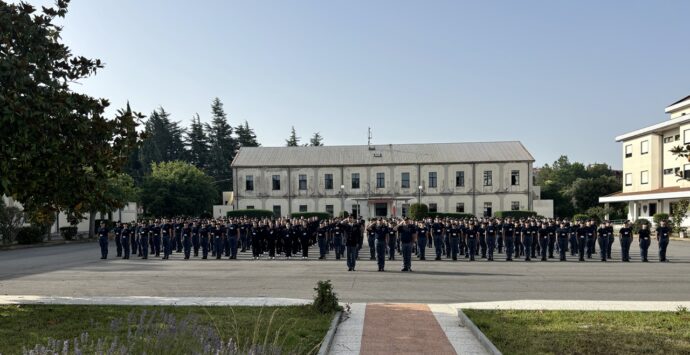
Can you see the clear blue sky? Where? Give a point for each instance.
(563, 77)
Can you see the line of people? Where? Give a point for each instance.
(449, 238)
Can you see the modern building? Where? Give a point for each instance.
(383, 180)
(653, 177)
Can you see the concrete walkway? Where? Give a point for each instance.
(642, 306)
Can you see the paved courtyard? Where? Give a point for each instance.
(76, 270)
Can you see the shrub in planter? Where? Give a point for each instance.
(325, 300)
(30, 235)
(68, 233)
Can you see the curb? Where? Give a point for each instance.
(328, 339)
(45, 244)
(486, 343)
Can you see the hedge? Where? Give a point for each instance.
(30, 235)
(581, 217)
(68, 233)
(450, 215)
(418, 211)
(515, 214)
(320, 215)
(250, 213)
(658, 217)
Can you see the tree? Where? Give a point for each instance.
(418, 211)
(678, 212)
(57, 147)
(198, 144)
(11, 220)
(163, 139)
(316, 140)
(223, 147)
(293, 140)
(177, 188)
(584, 193)
(246, 136)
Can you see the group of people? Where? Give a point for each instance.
(450, 238)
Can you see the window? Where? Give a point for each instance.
(515, 206)
(644, 177)
(276, 182)
(432, 180)
(460, 207)
(303, 182)
(515, 177)
(303, 208)
(686, 136)
(405, 181)
(355, 211)
(628, 150)
(355, 180)
(668, 171)
(250, 207)
(433, 208)
(644, 147)
(487, 209)
(488, 177)
(677, 137)
(328, 181)
(459, 179)
(686, 171)
(380, 180)
(277, 211)
(628, 179)
(668, 139)
(249, 183)
(329, 209)
(676, 171)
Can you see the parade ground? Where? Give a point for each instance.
(76, 271)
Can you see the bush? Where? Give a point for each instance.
(344, 214)
(250, 213)
(30, 235)
(418, 211)
(638, 225)
(661, 217)
(450, 215)
(325, 300)
(68, 233)
(580, 217)
(11, 220)
(515, 214)
(306, 215)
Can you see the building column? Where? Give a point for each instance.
(606, 207)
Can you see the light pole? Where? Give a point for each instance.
(419, 200)
(342, 198)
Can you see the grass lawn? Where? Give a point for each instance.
(297, 329)
(584, 332)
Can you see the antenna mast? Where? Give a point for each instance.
(369, 140)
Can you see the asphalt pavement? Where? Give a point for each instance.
(76, 270)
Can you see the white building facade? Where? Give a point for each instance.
(384, 180)
(653, 177)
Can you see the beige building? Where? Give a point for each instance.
(653, 177)
(383, 180)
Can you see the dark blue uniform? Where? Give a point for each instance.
(167, 242)
(626, 237)
(406, 233)
(662, 235)
(645, 241)
(103, 241)
(187, 241)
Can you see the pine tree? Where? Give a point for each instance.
(246, 136)
(162, 140)
(222, 147)
(197, 143)
(316, 140)
(293, 140)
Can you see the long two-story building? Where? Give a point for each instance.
(383, 180)
(653, 177)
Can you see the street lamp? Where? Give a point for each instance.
(419, 200)
(342, 198)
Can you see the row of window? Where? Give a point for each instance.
(644, 145)
(433, 207)
(381, 180)
(644, 175)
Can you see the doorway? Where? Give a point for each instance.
(381, 209)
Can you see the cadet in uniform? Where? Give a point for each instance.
(508, 239)
(118, 239)
(543, 241)
(381, 236)
(177, 244)
(156, 238)
(491, 240)
(471, 234)
(626, 238)
(645, 241)
(125, 240)
(144, 240)
(422, 235)
(351, 242)
(166, 230)
(103, 240)
(196, 243)
(371, 240)
(662, 237)
(203, 240)
(581, 240)
(603, 234)
(562, 234)
(186, 240)
(407, 234)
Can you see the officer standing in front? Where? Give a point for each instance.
(645, 241)
(103, 240)
(562, 234)
(663, 233)
(408, 235)
(626, 237)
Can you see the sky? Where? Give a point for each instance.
(562, 77)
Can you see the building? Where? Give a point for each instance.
(653, 177)
(383, 180)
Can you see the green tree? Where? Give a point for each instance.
(584, 193)
(57, 148)
(223, 147)
(197, 141)
(246, 136)
(177, 188)
(11, 220)
(418, 211)
(293, 140)
(316, 140)
(678, 212)
(163, 139)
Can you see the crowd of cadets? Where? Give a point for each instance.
(449, 238)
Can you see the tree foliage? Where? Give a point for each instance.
(198, 143)
(246, 136)
(223, 146)
(11, 220)
(163, 139)
(177, 188)
(316, 140)
(678, 212)
(293, 140)
(57, 148)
